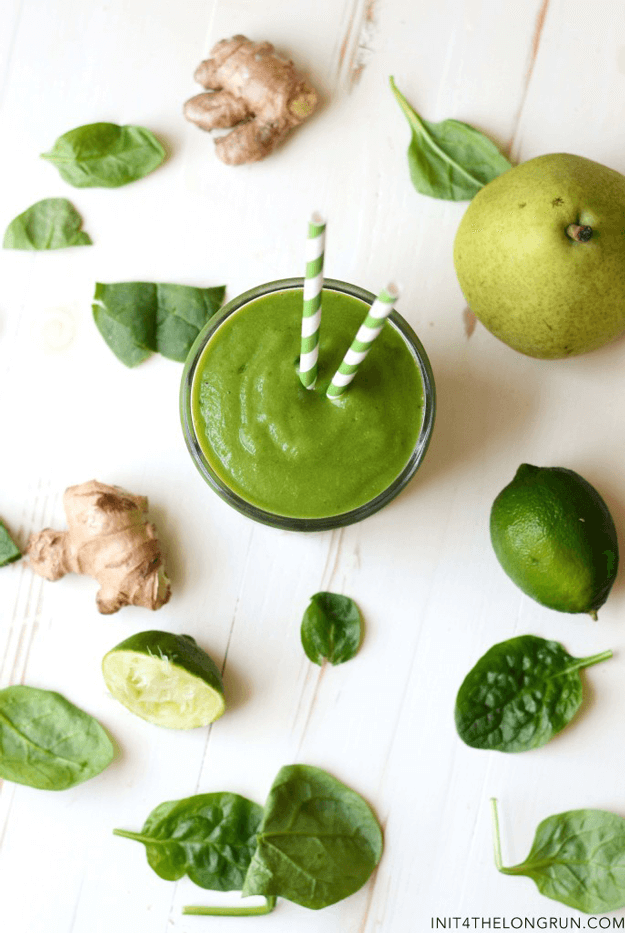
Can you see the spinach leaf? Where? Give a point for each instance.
(315, 842)
(124, 314)
(331, 628)
(209, 837)
(47, 742)
(577, 858)
(105, 155)
(139, 318)
(9, 550)
(449, 160)
(520, 694)
(49, 224)
(318, 841)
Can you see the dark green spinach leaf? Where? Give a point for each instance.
(139, 318)
(520, 694)
(47, 742)
(449, 160)
(331, 628)
(209, 837)
(577, 858)
(315, 842)
(49, 224)
(105, 155)
(318, 841)
(9, 550)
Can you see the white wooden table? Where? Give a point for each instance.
(539, 76)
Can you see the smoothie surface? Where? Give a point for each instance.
(290, 450)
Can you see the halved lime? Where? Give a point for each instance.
(166, 679)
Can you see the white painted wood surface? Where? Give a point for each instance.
(538, 76)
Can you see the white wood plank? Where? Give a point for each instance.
(537, 77)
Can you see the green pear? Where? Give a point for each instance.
(540, 256)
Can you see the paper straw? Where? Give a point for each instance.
(369, 330)
(311, 315)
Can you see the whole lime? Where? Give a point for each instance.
(555, 538)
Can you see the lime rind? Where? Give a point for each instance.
(160, 691)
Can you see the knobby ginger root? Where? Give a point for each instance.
(109, 538)
(251, 86)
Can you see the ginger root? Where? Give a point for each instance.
(251, 86)
(108, 538)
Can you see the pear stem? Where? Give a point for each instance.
(580, 233)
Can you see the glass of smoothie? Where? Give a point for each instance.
(288, 456)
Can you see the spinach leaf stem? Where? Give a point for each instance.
(232, 911)
(496, 836)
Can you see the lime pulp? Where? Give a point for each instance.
(165, 679)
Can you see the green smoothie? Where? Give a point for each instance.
(292, 451)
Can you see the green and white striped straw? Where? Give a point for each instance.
(367, 333)
(311, 316)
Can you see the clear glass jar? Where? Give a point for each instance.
(288, 522)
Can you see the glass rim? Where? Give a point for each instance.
(288, 522)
